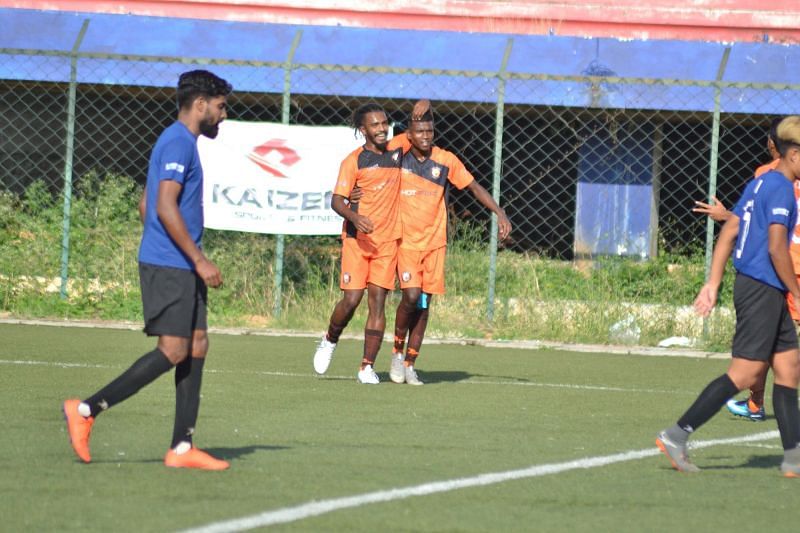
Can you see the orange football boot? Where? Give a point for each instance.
(79, 429)
(194, 458)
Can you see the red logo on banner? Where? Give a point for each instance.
(274, 157)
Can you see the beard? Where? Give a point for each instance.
(209, 129)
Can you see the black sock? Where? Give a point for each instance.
(143, 372)
(708, 403)
(188, 378)
(784, 401)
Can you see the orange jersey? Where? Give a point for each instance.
(422, 189)
(378, 176)
(763, 169)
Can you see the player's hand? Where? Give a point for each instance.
(208, 272)
(363, 224)
(716, 210)
(706, 300)
(356, 194)
(793, 299)
(420, 108)
(503, 226)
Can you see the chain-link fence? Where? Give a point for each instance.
(612, 168)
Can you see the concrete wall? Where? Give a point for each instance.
(709, 20)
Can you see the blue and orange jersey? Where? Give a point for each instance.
(422, 191)
(378, 176)
(766, 200)
(794, 246)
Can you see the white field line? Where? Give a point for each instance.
(599, 388)
(521, 344)
(317, 508)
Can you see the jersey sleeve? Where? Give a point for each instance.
(347, 176)
(780, 203)
(459, 176)
(399, 141)
(176, 158)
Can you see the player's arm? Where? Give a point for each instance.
(170, 216)
(362, 223)
(716, 210)
(345, 185)
(707, 298)
(781, 260)
(483, 196)
(355, 195)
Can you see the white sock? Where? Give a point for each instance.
(84, 410)
(183, 447)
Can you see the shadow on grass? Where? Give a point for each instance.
(433, 376)
(453, 376)
(222, 453)
(236, 453)
(763, 462)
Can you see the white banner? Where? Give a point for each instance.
(273, 178)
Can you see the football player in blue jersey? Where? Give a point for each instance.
(174, 274)
(758, 234)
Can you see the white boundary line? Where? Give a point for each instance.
(317, 508)
(520, 344)
(571, 386)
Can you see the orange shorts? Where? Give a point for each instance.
(793, 305)
(424, 269)
(364, 262)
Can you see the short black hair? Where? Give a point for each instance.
(197, 83)
(357, 120)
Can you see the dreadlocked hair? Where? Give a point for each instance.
(356, 121)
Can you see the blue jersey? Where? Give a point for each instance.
(766, 200)
(174, 158)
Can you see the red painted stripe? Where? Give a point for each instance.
(710, 20)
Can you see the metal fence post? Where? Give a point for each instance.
(712, 167)
(497, 177)
(712, 171)
(285, 112)
(73, 81)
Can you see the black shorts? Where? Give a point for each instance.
(173, 299)
(763, 323)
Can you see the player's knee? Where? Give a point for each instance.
(176, 349)
(411, 296)
(351, 299)
(199, 345)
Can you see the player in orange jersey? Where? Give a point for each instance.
(752, 407)
(370, 234)
(426, 172)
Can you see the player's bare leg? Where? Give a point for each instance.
(415, 338)
(342, 314)
(373, 333)
(405, 319)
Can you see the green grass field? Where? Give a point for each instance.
(295, 438)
